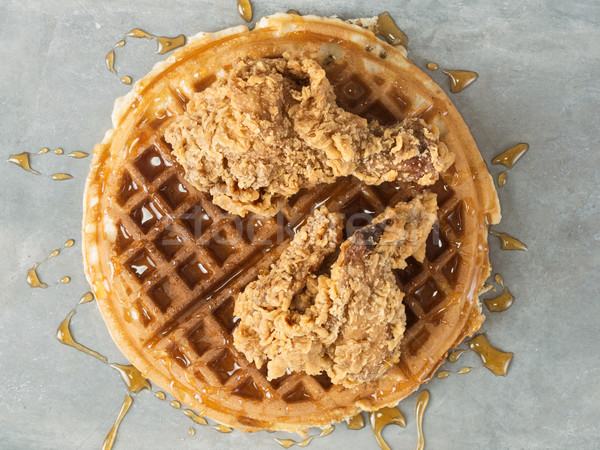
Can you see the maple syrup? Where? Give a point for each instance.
(245, 10)
(501, 302)
(432, 66)
(502, 179)
(460, 79)
(287, 443)
(387, 28)
(23, 160)
(511, 156)
(494, 360)
(222, 428)
(33, 278)
(164, 45)
(191, 432)
(383, 417)
(420, 407)
(356, 422)
(508, 242)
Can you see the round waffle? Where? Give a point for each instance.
(166, 264)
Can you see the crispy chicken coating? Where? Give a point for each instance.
(349, 323)
(267, 128)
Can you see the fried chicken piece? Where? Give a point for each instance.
(271, 328)
(267, 128)
(348, 324)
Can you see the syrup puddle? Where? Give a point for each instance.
(460, 79)
(245, 10)
(33, 278)
(356, 422)
(380, 419)
(508, 242)
(496, 361)
(163, 45)
(23, 160)
(503, 301)
(287, 443)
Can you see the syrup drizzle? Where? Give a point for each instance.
(420, 407)
(503, 301)
(508, 242)
(245, 10)
(287, 443)
(511, 156)
(356, 422)
(164, 45)
(387, 28)
(432, 66)
(23, 160)
(191, 432)
(460, 79)
(446, 373)
(383, 417)
(33, 278)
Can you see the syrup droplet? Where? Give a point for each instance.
(65, 280)
(383, 417)
(499, 280)
(432, 66)
(175, 404)
(420, 407)
(222, 428)
(43, 151)
(160, 395)
(453, 357)
(191, 431)
(195, 417)
(33, 279)
(501, 302)
(508, 242)
(356, 422)
(69, 243)
(443, 374)
(387, 28)
(293, 11)
(245, 10)
(78, 155)
(460, 79)
(22, 160)
(493, 359)
(112, 434)
(60, 176)
(287, 443)
(464, 370)
(166, 44)
(86, 298)
(59, 151)
(511, 156)
(502, 179)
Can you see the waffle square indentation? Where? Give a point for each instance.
(162, 295)
(224, 366)
(298, 393)
(141, 265)
(174, 192)
(224, 315)
(429, 295)
(436, 244)
(179, 356)
(378, 111)
(196, 220)
(351, 92)
(455, 218)
(128, 188)
(412, 269)
(248, 389)
(169, 243)
(151, 163)
(147, 215)
(193, 272)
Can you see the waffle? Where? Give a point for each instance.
(166, 264)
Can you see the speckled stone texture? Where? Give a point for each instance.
(538, 63)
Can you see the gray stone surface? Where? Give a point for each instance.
(538, 64)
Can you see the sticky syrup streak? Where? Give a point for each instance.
(383, 417)
(420, 407)
(287, 443)
(245, 10)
